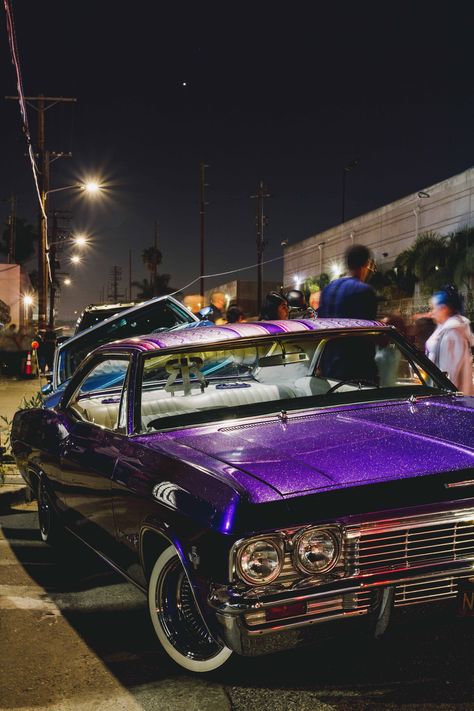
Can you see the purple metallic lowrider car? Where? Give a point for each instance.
(259, 478)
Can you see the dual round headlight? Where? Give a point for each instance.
(260, 561)
(316, 550)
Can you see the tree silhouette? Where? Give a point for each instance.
(25, 241)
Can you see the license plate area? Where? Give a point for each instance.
(465, 598)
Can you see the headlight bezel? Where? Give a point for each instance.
(333, 533)
(278, 544)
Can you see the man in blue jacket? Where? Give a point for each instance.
(351, 297)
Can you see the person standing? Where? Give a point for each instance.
(351, 297)
(235, 314)
(449, 346)
(218, 303)
(274, 307)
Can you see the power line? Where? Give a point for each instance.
(231, 271)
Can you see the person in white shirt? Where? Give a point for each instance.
(449, 346)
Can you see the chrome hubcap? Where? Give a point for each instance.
(179, 616)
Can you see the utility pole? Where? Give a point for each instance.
(57, 232)
(261, 221)
(202, 207)
(52, 263)
(115, 278)
(155, 260)
(12, 230)
(38, 103)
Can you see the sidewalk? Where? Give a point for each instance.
(12, 393)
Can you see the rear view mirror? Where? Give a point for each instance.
(282, 359)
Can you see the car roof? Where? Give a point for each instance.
(122, 314)
(236, 331)
(111, 307)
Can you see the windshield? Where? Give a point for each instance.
(158, 316)
(277, 374)
(94, 316)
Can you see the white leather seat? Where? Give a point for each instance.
(159, 403)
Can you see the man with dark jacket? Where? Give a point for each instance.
(351, 297)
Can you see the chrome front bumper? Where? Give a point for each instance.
(242, 620)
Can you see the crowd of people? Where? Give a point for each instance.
(444, 334)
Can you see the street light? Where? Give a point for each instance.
(80, 240)
(76, 259)
(67, 282)
(91, 187)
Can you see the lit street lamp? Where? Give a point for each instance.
(91, 187)
(76, 259)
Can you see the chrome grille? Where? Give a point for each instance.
(321, 609)
(414, 542)
(423, 591)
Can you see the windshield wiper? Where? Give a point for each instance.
(353, 381)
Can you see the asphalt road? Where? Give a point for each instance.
(74, 636)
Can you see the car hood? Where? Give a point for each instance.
(345, 446)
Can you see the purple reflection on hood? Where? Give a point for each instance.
(346, 446)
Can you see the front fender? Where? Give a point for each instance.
(189, 559)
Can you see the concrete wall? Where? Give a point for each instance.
(388, 230)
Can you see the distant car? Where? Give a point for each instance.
(259, 479)
(153, 316)
(95, 313)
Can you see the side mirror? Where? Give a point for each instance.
(47, 389)
(204, 313)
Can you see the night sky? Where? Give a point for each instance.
(289, 96)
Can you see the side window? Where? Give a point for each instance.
(101, 397)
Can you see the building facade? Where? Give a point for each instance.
(443, 208)
(14, 284)
(243, 293)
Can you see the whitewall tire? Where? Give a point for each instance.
(177, 620)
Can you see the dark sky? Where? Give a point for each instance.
(289, 96)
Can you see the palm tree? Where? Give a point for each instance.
(427, 260)
(159, 287)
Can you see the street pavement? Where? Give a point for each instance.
(13, 390)
(75, 637)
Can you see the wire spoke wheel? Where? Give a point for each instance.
(177, 620)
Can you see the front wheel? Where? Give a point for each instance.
(177, 620)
